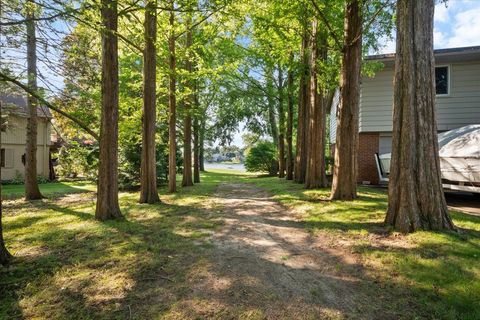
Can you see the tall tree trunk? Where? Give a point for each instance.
(344, 186)
(5, 256)
(107, 192)
(201, 152)
(272, 121)
(187, 120)
(281, 126)
(148, 170)
(316, 176)
(32, 191)
(196, 136)
(303, 103)
(172, 107)
(416, 199)
(289, 164)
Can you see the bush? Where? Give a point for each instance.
(80, 160)
(262, 158)
(130, 162)
(76, 159)
(19, 179)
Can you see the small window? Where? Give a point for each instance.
(442, 80)
(7, 158)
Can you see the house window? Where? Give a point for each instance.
(6, 158)
(442, 80)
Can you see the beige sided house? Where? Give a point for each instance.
(457, 74)
(14, 136)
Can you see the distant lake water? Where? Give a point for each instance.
(225, 166)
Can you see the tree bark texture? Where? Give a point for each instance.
(303, 110)
(172, 108)
(416, 199)
(107, 192)
(187, 120)
(344, 186)
(196, 142)
(272, 119)
(201, 152)
(281, 125)
(315, 175)
(5, 255)
(148, 169)
(289, 163)
(32, 191)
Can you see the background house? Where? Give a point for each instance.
(14, 135)
(457, 74)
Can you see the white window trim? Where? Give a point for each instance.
(449, 72)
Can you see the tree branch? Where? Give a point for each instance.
(196, 24)
(327, 24)
(49, 105)
(370, 22)
(17, 22)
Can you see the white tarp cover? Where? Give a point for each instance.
(459, 154)
(463, 142)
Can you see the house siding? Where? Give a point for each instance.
(333, 116)
(13, 139)
(18, 169)
(16, 131)
(460, 108)
(376, 101)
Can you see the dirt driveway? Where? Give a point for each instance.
(266, 265)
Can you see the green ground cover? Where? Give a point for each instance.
(53, 189)
(70, 266)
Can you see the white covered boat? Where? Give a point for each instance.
(459, 151)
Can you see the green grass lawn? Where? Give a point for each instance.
(49, 189)
(70, 266)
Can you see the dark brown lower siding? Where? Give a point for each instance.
(368, 145)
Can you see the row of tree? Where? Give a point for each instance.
(273, 65)
(416, 199)
(107, 205)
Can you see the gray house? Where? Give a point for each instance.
(457, 74)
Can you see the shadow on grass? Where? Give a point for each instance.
(445, 271)
(143, 242)
(442, 265)
(49, 190)
(153, 242)
(158, 262)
